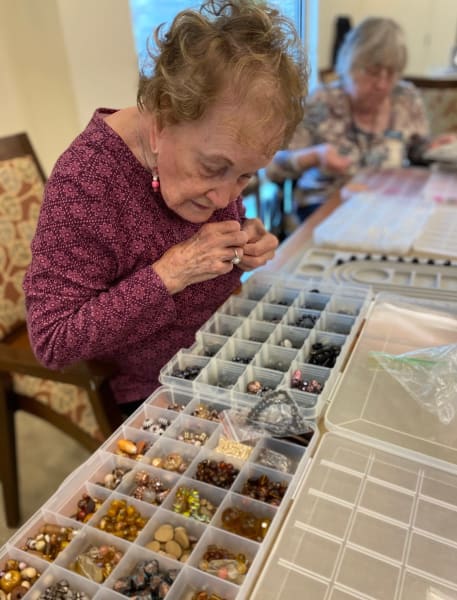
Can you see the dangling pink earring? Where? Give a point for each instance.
(155, 183)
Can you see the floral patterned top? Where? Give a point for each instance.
(329, 119)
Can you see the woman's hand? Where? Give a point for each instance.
(442, 139)
(205, 255)
(331, 160)
(291, 163)
(260, 246)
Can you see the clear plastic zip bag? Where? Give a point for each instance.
(274, 414)
(429, 375)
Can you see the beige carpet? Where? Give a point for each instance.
(45, 456)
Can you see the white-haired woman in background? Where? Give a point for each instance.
(368, 117)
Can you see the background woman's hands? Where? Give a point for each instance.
(442, 139)
(209, 252)
(331, 160)
(292, 163)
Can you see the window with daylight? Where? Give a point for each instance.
(147, 15)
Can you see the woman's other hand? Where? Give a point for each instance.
(331, 160)
(443, 139)
(292, 163)
(260, 246)
(205, 255)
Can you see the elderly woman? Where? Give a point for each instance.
(368, 117)
(142, 232)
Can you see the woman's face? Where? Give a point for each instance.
(370, 86)
(204, 165)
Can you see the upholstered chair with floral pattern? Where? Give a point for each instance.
(76, 400)
(440, 99)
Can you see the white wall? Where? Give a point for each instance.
(41, 97)
(59, 60)
(12, 112)
(100, 52)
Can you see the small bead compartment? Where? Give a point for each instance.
(185, 532)
(255, 331)
(132, 443)
(192, 430)
(274, 358)
(148, 484)
(239, 351)
(238, 307)
(208, 344)
(289, 337)
(222, 324)
(183, 369)
(220, 377)
(313, 300)
(57, 579)
(270, 313)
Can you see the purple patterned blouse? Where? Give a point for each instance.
(90, 290)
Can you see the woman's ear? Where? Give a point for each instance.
(154, 135)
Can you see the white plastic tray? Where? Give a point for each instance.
(412, 276)
(439, 235)
(376, 514)
(375, 223)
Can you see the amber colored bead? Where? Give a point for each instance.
(245, 524)
(10, 580)
(122, 520)
(231, 517)
(248, 526)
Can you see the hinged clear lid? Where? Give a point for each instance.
(366, 523)
(370, 402)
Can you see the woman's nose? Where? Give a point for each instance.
(224, 193)
(384, 78)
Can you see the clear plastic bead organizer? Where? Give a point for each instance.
(375, 516)
(267, 334)
(173, 411)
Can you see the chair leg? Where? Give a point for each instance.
(8, 458)
(106, 411)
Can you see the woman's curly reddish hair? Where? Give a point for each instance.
(244, 46)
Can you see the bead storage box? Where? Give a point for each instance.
(374, 516)
(158, 491)
(278, 333)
